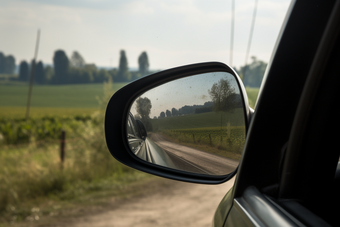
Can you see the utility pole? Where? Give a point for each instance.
(232, 32)
(249, 40)
(32, 76)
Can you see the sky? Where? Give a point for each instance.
(193, 90)
(172, 32)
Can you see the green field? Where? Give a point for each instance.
(210, 119)
(64, 100)
(252, 95)
(63, 96)
(221, 133)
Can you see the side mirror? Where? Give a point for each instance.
(192, 121)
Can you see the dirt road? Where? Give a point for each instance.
(182, 204)
(194, 160)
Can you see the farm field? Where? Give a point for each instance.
(227, 141)
(221, 133)
(61, 96)
(210, 119)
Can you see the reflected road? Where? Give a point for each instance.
(194, 160)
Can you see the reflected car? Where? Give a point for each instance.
(142, 146)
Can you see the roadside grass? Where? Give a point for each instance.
(20, 112)
(227, 141)
(206, 148)
(34, 181)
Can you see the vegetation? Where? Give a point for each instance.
(252, 74)
(61, 96)
(203, 120)
(143, 62)
(31, 170)
(252, 96)
(7, 64)
(227, 141)
(33, 180)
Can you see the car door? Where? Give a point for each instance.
(287, 175)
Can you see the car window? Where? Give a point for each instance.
(61, 61)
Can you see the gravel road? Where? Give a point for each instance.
(194, 160)
(178, 204)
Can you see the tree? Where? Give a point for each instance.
(77, 60)
(2, 62)
(143, 63)
(168, 113)
(174, 112)
(61, 65)
(253, 73)
(143, 109)
(123, 69)
(39, 76)
(49, 74)
(9, 64)
(162, 115)
(220, 94)
(23, 71)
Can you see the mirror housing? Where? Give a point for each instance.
(119, 106)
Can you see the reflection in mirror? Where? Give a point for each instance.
(193, 124)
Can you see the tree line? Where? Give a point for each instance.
(252, 74)
(7, 64)
(74, 70)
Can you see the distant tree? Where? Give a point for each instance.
(174, 112)
(162, 115)
(39, 76)
(220, 93)
(49, 75)
(103, 76)
(168, 113)
(123, 69)
(77, 60)
(23, 71)
(135, 75)
(61, 65)
(253, 73)
(143, 63)
(9, 64)
(2, 62)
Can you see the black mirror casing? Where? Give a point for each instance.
(118, 110)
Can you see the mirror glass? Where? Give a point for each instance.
(194, 124)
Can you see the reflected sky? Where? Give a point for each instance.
(191, 90)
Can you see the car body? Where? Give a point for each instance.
(288, 174)
(142, 146)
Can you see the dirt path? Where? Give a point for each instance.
(182, 204)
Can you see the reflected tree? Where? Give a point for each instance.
(162, 114)
(168, 113)
(222, 94)
(174, 112)
(143, 108)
